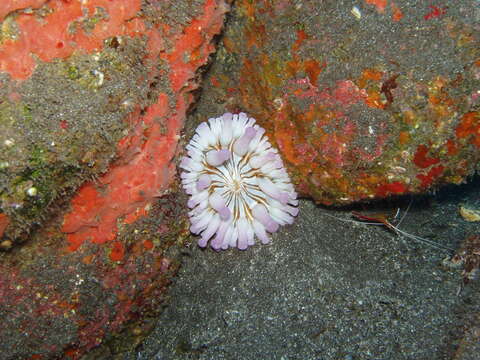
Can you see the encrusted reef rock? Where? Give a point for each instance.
(93, 98)
(364, 99)
(70, 76)
(83, 83)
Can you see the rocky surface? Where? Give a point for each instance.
(94, 96)
(365, 99)
(330, 288)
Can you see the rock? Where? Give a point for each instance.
(364, 102)
(94, 96)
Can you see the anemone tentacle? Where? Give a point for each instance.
(238, 186)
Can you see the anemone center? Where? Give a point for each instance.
(236, 182)
(237, 185)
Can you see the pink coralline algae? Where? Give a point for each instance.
(237, 183)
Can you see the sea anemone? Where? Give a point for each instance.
(237, 184)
